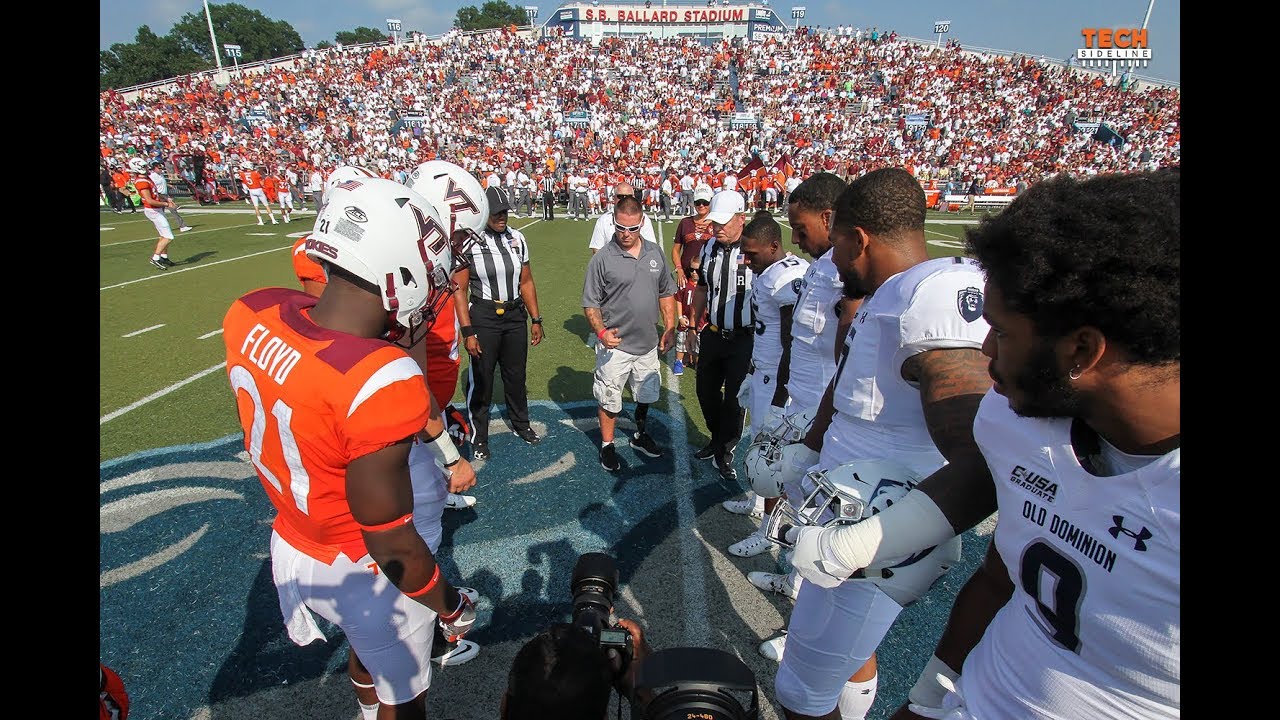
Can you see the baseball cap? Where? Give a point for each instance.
(497, 200)
(702, 194)
(725, 205)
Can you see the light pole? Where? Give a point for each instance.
(393, 25)
(213, 41)
(797, 14)
(233, 52)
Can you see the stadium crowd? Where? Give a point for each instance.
(503, 100)
(505, 108)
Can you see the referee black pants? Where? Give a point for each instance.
(548, 205)
(722, 367)
(504, 341)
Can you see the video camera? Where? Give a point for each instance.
(675, 683)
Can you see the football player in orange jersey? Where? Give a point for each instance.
(252, 180)
(458, 197)
(333, 410)
(153, 207)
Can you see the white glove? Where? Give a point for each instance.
(774, 419)
(796, 460)
(813, 558)
(744, 391)
(935, 681)
(952, 704)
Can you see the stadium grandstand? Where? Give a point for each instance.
(605, 87)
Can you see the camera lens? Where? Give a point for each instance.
(595, 578)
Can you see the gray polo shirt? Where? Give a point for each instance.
(626, 290)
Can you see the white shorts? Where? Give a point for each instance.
(831, 633)
(390, 632)
(771, 195)
(615, 367)
(286, 199)
(259, 196)
(157, 218)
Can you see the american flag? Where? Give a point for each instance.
(349, 184)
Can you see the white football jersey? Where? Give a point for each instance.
(813, 333)
(935, 304)
(1093, 629)
(775, 288)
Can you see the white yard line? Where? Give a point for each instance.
(159, 394)
(170, 273)
(136, 333)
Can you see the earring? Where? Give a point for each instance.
(1074, 373)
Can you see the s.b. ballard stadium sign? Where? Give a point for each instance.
(585, 20)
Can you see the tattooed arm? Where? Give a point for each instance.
(952, 383)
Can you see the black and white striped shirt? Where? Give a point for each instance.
(727, 276)
(548, 184)
(496, 263)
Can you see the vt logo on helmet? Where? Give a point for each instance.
(457, 195)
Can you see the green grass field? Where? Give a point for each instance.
(161, 380)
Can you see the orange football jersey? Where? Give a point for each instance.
(311, 400)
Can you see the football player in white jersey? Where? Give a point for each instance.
(1081, 434)
(820, 319)
(774, 292)
(906, 388)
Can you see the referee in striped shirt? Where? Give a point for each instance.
(495, 298)
(549, 196)
(723, 297)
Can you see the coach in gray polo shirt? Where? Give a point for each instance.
(627, 283)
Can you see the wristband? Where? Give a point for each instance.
(467, 331)
(537, 320)
(435, 576)
(387, 525)
(602, 332)
(442, 447)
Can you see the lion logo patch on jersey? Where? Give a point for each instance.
(969, 301)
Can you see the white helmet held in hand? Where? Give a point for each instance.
(457, 196)
(762, 461)
(390, 236)
(852, 492)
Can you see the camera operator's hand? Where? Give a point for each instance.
(639, 651)
(457, 623)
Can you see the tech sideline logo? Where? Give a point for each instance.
(1127, 47)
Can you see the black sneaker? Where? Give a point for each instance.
(706, 453)
(167, 261)
(158, 263)
(529, 436)
(644, 444)
(609, 458)
(724, 463)
(480, 451)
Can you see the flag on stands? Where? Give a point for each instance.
(751, 166)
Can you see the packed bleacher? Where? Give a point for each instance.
(491, 101)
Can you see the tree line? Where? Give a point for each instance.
(187, 48)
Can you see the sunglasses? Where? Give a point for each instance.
(625, 195)
(700, 202)
(627, 228)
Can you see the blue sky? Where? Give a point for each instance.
(1037, 27)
